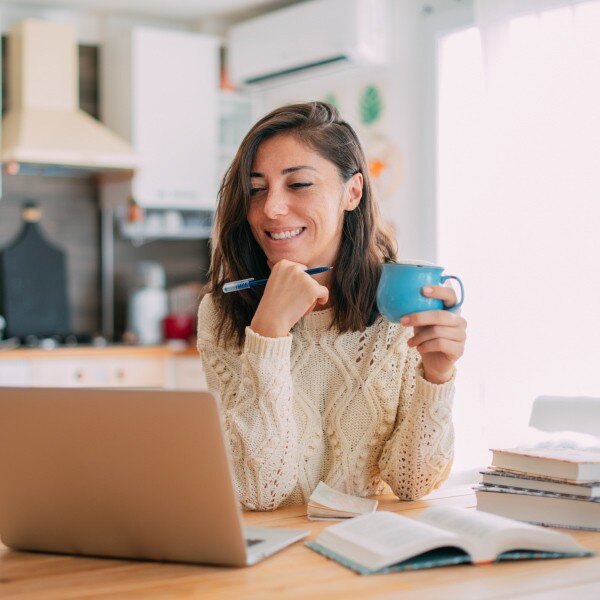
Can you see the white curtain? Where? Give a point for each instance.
(519, 209)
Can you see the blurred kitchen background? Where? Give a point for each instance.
(479, 119)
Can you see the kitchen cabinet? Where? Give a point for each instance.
(160, 92)
(98, 372)
(102, 368)
(15, 372)
(185, 373)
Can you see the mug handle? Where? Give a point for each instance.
(462, 291)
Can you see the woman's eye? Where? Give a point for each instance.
(300, 185)
(254, 191)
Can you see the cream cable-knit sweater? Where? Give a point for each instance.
(350, 409)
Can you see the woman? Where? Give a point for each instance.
(314, 383)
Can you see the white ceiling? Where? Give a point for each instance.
(174, 9)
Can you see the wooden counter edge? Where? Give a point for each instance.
(130, 351)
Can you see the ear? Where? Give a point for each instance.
(354, 191)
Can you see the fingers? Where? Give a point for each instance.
(425, 334)
(433, 317)
(312, 306)
(286, 264)
(447, 294)
(321, 293)
(323, 297)
(453, 350)
(291, 287)
(437, 331)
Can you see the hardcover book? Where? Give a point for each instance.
(543, 508)
(564, 462)
(511, 479)
(383, 541)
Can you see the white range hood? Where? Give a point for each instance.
(44, 124)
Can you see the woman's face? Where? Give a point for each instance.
(298, 201)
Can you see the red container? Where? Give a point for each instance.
(179, 327)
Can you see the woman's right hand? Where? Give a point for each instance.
(289, 294)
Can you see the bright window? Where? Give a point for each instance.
(518, 213)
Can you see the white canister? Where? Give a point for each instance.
(147, 309)
(148, 303)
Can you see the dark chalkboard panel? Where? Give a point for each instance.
(33, 286)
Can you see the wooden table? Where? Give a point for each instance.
(298, 572)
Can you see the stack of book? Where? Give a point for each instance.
(554, 486)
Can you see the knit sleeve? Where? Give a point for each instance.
(255, 387)
(417, 457)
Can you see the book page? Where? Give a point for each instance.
(327, 497)
(383, 538)
(485, 533)
(388, 531)
(489, 535)
(469, 523)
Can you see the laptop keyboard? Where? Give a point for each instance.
(251, 542)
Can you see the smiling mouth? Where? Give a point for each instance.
(285, 235)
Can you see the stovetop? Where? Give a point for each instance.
(68, 340)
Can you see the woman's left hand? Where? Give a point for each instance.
(439, 335)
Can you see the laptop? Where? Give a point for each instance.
(139, 474)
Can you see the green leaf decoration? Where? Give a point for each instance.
(371, 105)
(332, 99)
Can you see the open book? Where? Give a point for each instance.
(327, 504)
(384, 541)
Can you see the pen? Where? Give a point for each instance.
(244, 284)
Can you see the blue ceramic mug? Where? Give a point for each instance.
(399, 291)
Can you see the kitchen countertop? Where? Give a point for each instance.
(89, 351)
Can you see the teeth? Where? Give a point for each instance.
(286, 234)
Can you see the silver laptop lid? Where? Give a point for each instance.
(121, 473)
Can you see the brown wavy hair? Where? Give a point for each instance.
(366, 243)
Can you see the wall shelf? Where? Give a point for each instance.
(165, 225)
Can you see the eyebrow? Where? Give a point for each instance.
(285, 171)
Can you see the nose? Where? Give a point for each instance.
(275, 204)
